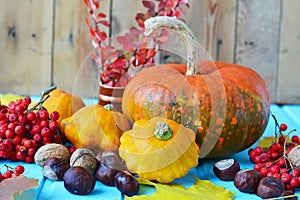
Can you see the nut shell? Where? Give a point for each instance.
(51, 150)
(54, 169)
(226, 169)
(78, 180)
(270, 187)
(247, 180)
(294, 156)
(85, 158)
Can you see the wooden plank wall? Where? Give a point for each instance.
(45, 42)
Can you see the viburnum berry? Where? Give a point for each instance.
(258, 150)
(53, 125)
(8, 174)
(285, 177)
(275, 169)
(20, 169)
(21, 155)
(31, 115)
(283, 127)
(54, 115)
(26, 100)
(43, 114)
(264, 171)
(276, 147)
(295, 139)
(296, 172)
(294, 182)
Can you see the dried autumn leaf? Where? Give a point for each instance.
(202, 189)
(18, 184)
(6, 98)
(266, 142)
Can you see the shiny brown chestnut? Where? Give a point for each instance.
(226, 169)
(77, 180)
(247, 180)
(270, 187)
(105, 174)
(54, 169)
(126, 184)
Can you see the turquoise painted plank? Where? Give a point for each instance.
(31, 171)
(50, 190)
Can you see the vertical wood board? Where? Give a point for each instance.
(289, 59)
(72, 45)
(25, 50)
(257, 40)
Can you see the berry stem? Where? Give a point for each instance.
(45, 95)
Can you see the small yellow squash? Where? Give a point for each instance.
(159, 149)
(96, 128)
(63, 102)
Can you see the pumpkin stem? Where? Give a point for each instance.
(109, 107)
(163, 131)
(155, 23)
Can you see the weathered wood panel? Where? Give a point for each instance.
(72, 45)
(289, 68)
(257, 40)
(44, 42)
(26, 45)
(213, 22)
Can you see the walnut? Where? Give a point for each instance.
(85, 158)
(51, 150)
(294, 156)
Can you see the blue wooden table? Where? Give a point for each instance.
(50, 190)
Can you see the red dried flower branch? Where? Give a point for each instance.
(134, 53)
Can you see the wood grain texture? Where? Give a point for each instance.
(289, 59)
(257, 40)
(213, 22)
(46, 42)
(26, 42)
(72, 45)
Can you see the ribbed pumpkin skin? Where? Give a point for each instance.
(228, 105)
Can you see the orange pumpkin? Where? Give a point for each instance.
(226, 104)
(63, 102)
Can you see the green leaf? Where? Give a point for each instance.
(202, 189)
(265, 142)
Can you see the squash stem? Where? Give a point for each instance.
(154, 23)
(163, 131)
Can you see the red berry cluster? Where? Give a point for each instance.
(23, 130)
(11, 172)
(273, 161)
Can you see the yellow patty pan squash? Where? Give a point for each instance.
(63, 102)
(159, 149)
(96, 128)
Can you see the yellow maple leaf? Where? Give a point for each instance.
(266, 142)
(202, 189)
(6, 98)
(16, 185)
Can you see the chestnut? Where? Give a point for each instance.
(113, 160)
(77, 180)
(126, 184)
(247, 180)
(54, 168)
(105, 174)
(226, 169)
(270, 187)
